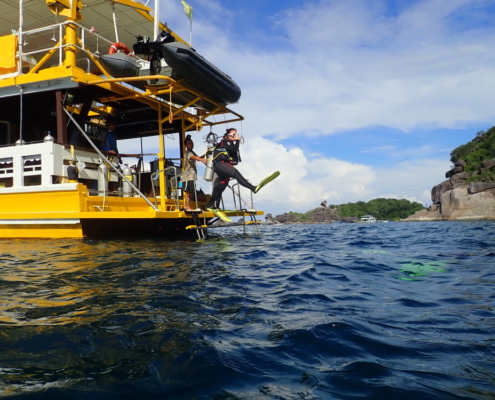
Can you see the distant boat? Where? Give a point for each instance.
(368, 219)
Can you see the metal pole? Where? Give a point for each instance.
(19, 65)
(161, 159)
(156, 21)
(21, 27)
(115, 23)
(21, 96)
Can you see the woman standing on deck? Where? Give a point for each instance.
(190, 172)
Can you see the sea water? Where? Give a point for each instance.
(334, 311)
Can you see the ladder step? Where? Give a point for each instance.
(253, 222)
(196, 226)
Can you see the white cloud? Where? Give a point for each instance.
(349, 65)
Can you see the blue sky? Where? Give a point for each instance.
(350, 100)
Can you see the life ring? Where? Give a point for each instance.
(116, 47)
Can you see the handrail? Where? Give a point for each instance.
(176, 202)
(251, 211)
(104, 158)
(175, 178)
(238, 194)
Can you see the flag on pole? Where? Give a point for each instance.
(188, 10)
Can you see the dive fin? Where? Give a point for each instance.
(266, 181)
(219, 214)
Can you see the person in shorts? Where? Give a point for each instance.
(190, 173)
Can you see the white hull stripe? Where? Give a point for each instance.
(39, 221)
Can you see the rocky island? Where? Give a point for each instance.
(469, 190)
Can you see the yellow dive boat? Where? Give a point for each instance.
(66, 66)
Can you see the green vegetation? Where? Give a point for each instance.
(481, 148)
(384, 209)
(298, 217)
(380, 208)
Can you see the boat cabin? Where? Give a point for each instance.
(368, 219)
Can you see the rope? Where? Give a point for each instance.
(242, 137)
(170, 115)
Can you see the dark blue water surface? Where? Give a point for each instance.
(338, 311)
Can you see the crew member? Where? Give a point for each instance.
(109, 138)
(190, 173)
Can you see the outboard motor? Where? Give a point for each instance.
(153, 50)
(126, 186)
(102, 179)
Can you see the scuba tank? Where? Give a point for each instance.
(134, 177)
(126, 186)
(208, 176)
(102, 179)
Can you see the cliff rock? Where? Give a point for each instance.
(438, 190)
(456, 199)
(459, 204)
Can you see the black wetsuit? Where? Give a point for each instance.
(225, 170)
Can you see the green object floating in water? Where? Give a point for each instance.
(376, 252)
(419, 268)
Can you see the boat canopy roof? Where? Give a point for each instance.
(134, 19)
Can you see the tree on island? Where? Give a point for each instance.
(380, 208)
(383, 209)
(479, 156)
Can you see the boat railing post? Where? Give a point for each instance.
(241, 199)
(18, 168)
(161, 158)
(60, 35)
(243, 216)
(173, 179)
(234, 187)
(19, 33)
(195, 195)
